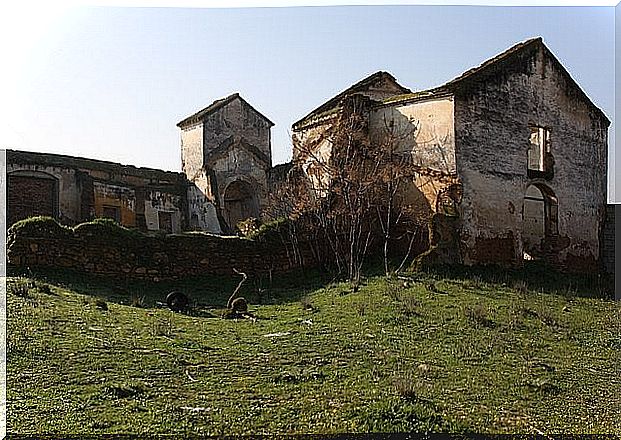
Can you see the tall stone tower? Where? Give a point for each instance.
(226, 153)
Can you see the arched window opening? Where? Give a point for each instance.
(540, 218)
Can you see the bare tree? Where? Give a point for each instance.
(354, 192)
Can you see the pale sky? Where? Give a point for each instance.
(111, 83)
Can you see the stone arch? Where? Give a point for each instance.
(240, 202)
(31, 193)
(539, 218)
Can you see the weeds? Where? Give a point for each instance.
(479, 315)
(307, 304)
(520, 286)
(393, 290)
(360, 308)
(22, 287)
(405, 388)
(162, 327)
(409, 305)
(101, 304)
(474, 283)
(137, 300)
(124, 390)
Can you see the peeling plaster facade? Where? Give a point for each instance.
(481, 133)
(514, 146)
(75, 190)
(493, 118)
(226, 154)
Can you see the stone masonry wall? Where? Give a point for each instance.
(493, 116)
(608, 242)
(116, 252)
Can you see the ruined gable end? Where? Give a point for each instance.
(531, 150)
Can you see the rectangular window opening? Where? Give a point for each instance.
(539, 153)
(112, 212)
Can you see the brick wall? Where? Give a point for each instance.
(30, 196)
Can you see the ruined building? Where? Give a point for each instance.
(226, 158)
(226, 154)
(515, 143)
(514, 147)
(74, 190)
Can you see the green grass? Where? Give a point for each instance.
(452, 352)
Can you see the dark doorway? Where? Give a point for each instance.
(29, 196)
(540, 218)
(165, 221)
(240, 203)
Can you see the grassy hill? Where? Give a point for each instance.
(457, 352)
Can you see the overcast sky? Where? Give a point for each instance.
(111, 83)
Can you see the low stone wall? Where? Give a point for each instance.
(114, 251)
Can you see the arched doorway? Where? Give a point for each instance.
(240, 203)
(540, 218)
(31, 193)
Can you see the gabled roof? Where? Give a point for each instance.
(361, 86)
(490, 68)
(229, 142)
(218, 104)
(491, 65)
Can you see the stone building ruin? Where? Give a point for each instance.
(512, 150)
(524, 144)
(226, 154)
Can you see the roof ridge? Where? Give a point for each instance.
(490, 61)
(215, 105)
(348, 90)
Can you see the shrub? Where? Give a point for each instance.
(40, 226)
(269, 231)
(107, 228)
(249, 227)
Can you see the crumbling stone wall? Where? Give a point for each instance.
(493, 115)
(112, 251)
(80, 189)
(228, 141)
(608, 244)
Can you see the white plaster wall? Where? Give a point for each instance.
(192, 149)
(425, 129)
